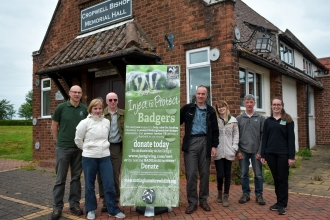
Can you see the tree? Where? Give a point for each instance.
(6, 110)
(25, 111)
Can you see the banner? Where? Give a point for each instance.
(151, 151)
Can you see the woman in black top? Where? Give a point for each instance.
(278, 149)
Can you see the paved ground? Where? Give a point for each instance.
(28, 195)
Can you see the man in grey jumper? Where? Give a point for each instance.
(250, 125)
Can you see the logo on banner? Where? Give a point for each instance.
(149, 196)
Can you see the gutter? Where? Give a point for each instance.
(273, 67)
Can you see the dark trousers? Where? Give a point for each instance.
(195, 161)
(67, 157)
(278, 164)
(223, 168)
(116, 151)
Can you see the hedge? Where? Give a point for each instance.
(15, 122)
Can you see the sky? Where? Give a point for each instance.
(24, 24)
(307, 20)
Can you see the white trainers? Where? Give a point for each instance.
(118, 215)
(91, 215)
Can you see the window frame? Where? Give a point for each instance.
(308, 67)
(262, 87)
(190, 66)
(42, 96)
(285, 56)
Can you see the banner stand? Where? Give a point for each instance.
(150, 211)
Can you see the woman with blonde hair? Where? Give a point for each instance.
(278, 149)
(92, 136)
(226, 151)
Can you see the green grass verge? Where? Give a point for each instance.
(16, 142)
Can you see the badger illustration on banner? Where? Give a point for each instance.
(154, 80)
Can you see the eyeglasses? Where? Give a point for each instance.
(75, 92)
(114, 100)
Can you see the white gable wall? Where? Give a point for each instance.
(298, 60)
(289, 90)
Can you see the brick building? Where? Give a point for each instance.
(204, 32)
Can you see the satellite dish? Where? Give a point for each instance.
(237, 33)
(214, 54)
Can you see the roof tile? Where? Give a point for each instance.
(127, 37)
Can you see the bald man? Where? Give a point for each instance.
(116, 118)
(65, 119)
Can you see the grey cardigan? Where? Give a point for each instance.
(250, 133)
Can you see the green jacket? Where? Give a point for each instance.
(120, 119)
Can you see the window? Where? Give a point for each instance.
(198, 72)
(308, 68)
(250, 83)
(45, 98)
(286, 54)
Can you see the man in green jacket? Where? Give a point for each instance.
(65, 119)
(116, 118)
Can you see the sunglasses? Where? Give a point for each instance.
(110, 100)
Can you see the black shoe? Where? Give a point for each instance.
(191, 209)
(260, 200)
(56, 214)
(244, 199)
(104, 208)
(273, 207)
(205, 206)
(76, 210)
(281, 210)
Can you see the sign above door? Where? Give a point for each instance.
(105, 13)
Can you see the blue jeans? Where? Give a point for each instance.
(244, 165)
(102, 165)
(67, 157)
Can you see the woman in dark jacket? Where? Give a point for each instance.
(278, 149)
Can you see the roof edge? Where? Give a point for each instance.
(77, 64)
(276, 68)
(38, 52)
(302, 50)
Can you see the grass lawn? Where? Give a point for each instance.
(16, 142)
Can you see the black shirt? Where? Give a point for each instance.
(278, 138)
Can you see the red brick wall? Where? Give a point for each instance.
(326, 62)
(188, 20)
(322, 111)
(275, 85)
(302, 108)
(191, 21)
